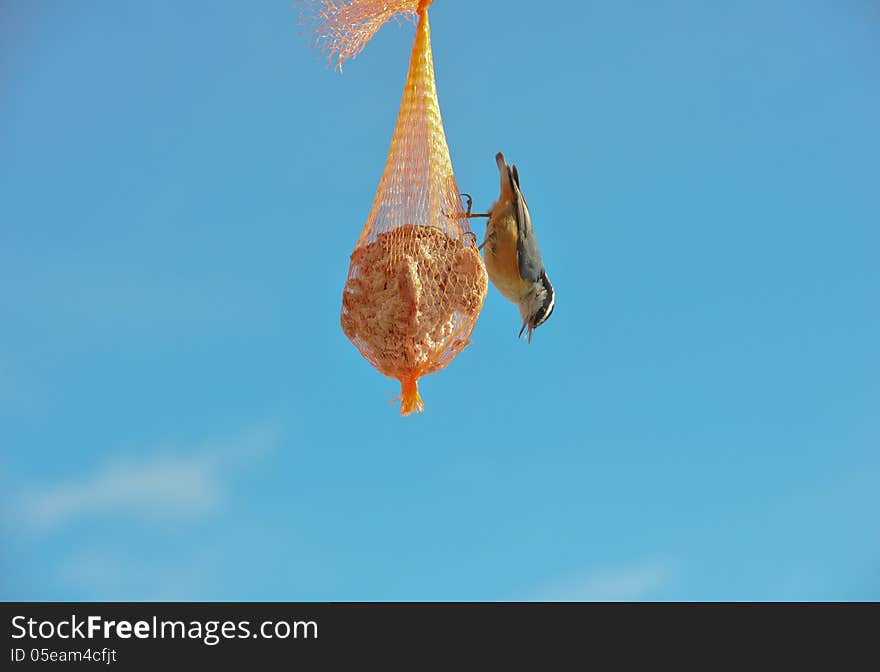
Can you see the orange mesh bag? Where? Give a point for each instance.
(416, 282)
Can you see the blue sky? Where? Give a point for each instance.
(181, 416)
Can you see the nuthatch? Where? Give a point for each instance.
(513, 259)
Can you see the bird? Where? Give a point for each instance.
(510, 248)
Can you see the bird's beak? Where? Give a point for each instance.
(502, 171)
(527, 325)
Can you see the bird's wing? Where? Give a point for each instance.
(531, 267)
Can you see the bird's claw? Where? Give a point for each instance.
(470, 203)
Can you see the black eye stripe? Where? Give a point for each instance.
(540, 317)
(543, 314)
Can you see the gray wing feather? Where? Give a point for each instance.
(531, 267)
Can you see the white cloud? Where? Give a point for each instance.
(105, 573)
(164, 484)
(621, 584)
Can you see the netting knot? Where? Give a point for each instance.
(410, 400)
